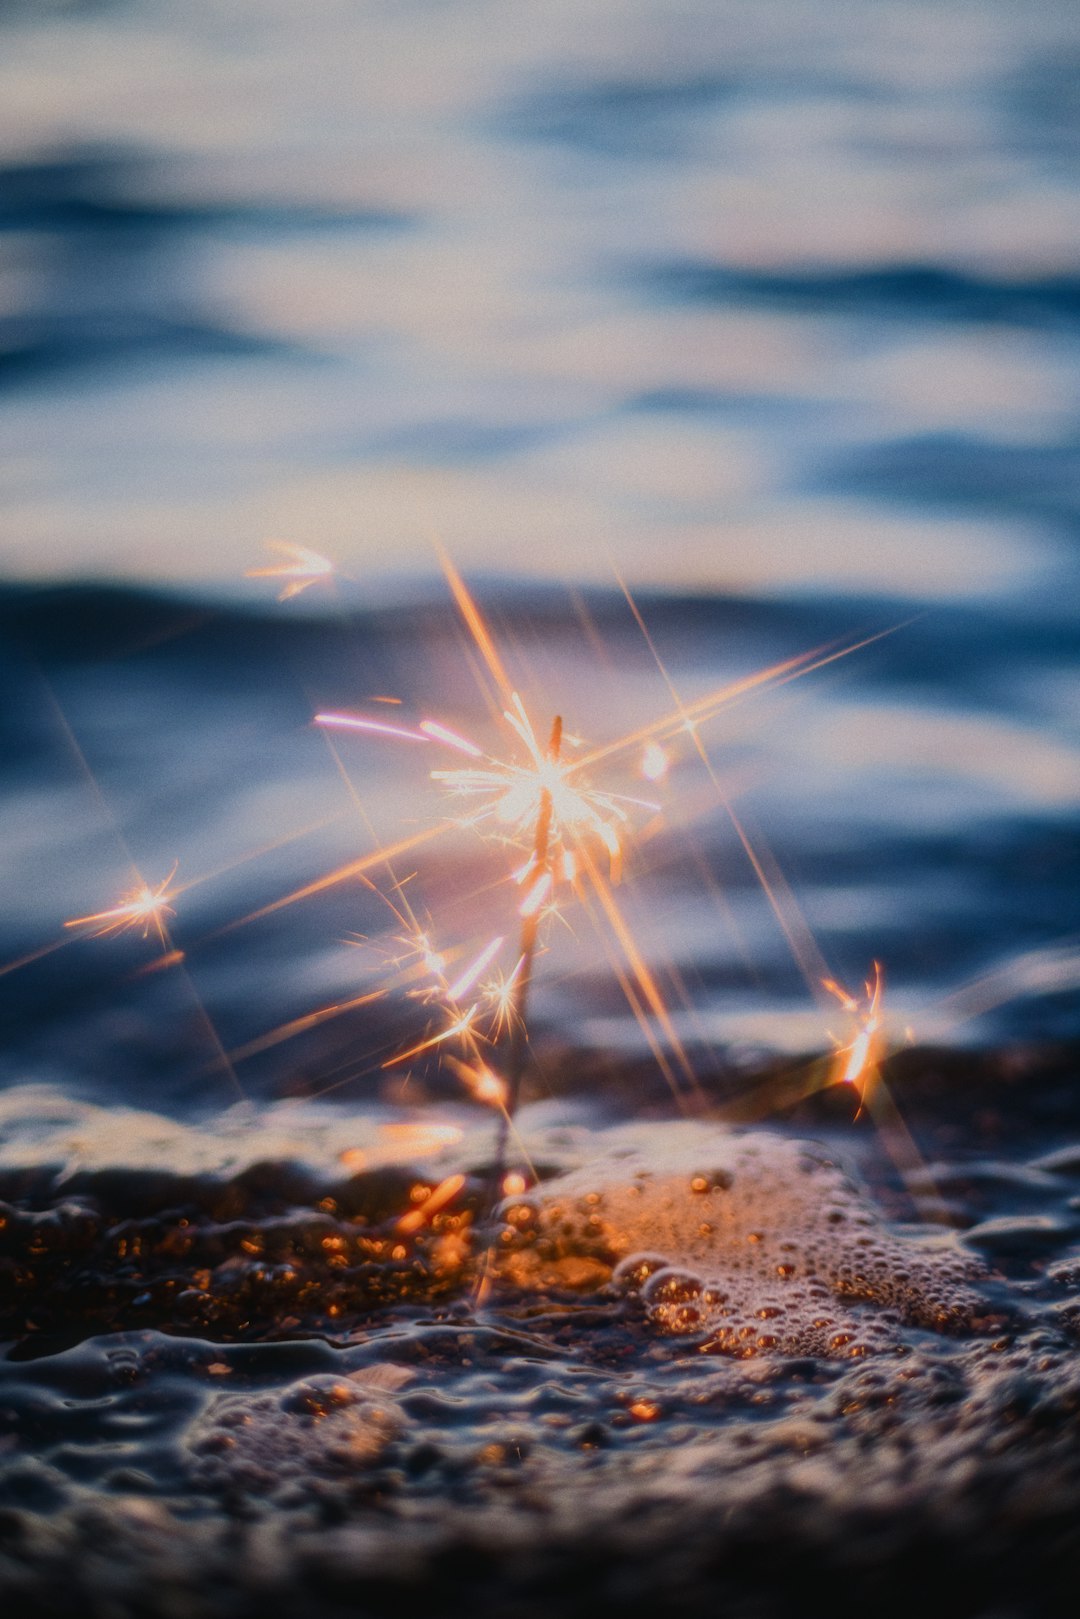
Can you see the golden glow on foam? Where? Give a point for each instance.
(443, 1194)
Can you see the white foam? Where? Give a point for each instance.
(753, 1243)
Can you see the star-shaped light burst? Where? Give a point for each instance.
(142, 907)
(541, 801)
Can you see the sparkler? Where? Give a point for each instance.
(563, 828)
(544, 801)
(544, 804)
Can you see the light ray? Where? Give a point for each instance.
(299, 1025)
(358, 722)
(474, 622)
(341, 874)
(469, 977)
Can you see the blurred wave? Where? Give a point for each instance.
(776, 315)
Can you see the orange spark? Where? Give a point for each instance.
(353, 868)
(300, 569)
(460, 1028)
(501, 996)
(644, 977)
(516, 793)
(474, 622)
(480, 1081)
(688, 716)
(299, 1025)
(469, 977)
(142, 907)
(856, 1062)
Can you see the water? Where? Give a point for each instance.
(774, 309)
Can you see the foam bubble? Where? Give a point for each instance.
(324, 1426)
(752, 1243)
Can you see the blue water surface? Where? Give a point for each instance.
(771, 308)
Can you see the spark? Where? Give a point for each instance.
(341, 874)
(500, 995)
(460, 1028)
(469, 977)
(142, 907)
(856, 1062)
(300, 569)
(440, 733)
(536, 896)
(517, 793)
(418, 945)
(482, 1083)
(687, 717)
(300, 1025)
(541, 800)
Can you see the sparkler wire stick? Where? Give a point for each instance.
(530, 930)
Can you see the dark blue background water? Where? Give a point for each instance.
(774, 307)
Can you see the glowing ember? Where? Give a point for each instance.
(644, 1410)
